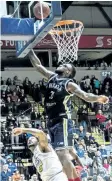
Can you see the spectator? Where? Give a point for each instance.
(16, 81)
(107, 85)
(103, 151)
(94, 145)
(81, 132)
(83, 116)
(11, 165)
(96, 84)
(22, 178)
(9, 82)
(107, 79)
(96, 91)
(92, 81)
(3, 95)
(8, 92)
(101, 171)
(86, 160)
(87, 80)
(9, 105)
(10, 120)
(96, 66)
(110, 99)
(16, 176)
(90, 151)
(100, 117)
(17, 90)
(26, 85)
(14, 97)
(22, 95)
(34, 178)
(10, 179)
(18, 106)
(2, 162)
(37, 95)
(6, 173)
(80, 151)
(23, 119)
(82, 142)
(87, 139)
(98, 157)
(3, 108)
(110, 168)
(106, 165)
(4, 86)
(104, 65)
(1, 81)
(25, 105)
(106, 92)
(109, 124)
(34, 114)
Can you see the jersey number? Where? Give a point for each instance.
(52, 95)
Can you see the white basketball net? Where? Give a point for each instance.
(67, 38)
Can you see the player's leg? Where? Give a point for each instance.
(60, 177)
(66, 162)
(62, 140)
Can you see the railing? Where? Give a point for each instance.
(18, 108)
(102, 133)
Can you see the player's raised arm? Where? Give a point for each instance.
(34, 132)
(89, 97)
(37, 64)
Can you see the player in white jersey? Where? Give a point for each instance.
(45, 159)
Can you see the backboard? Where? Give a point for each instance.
(41, 27)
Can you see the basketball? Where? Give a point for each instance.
(45, 10)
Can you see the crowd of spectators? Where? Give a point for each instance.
(97, 87)
(95, 65)
(103, 65)
(103, 113)
(18, 110)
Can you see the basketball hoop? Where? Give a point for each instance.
(66, 35)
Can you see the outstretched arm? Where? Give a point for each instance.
(37, 64)
(34, 132)
(89, 97)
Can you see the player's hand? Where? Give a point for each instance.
(103, 99)
(17, 131)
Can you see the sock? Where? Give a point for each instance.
(77, 179)
(70, 179)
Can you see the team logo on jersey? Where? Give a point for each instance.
(60, 143)
(55, 86)
(38, 164)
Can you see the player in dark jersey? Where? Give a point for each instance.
(60, 86)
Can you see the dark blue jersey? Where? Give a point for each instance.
(56, 96)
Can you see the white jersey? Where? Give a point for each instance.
(47, 164)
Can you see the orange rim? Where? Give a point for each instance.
(66, 22)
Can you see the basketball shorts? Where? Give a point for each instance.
(61, 134)
(59, 177)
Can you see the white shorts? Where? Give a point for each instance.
(59, 177)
